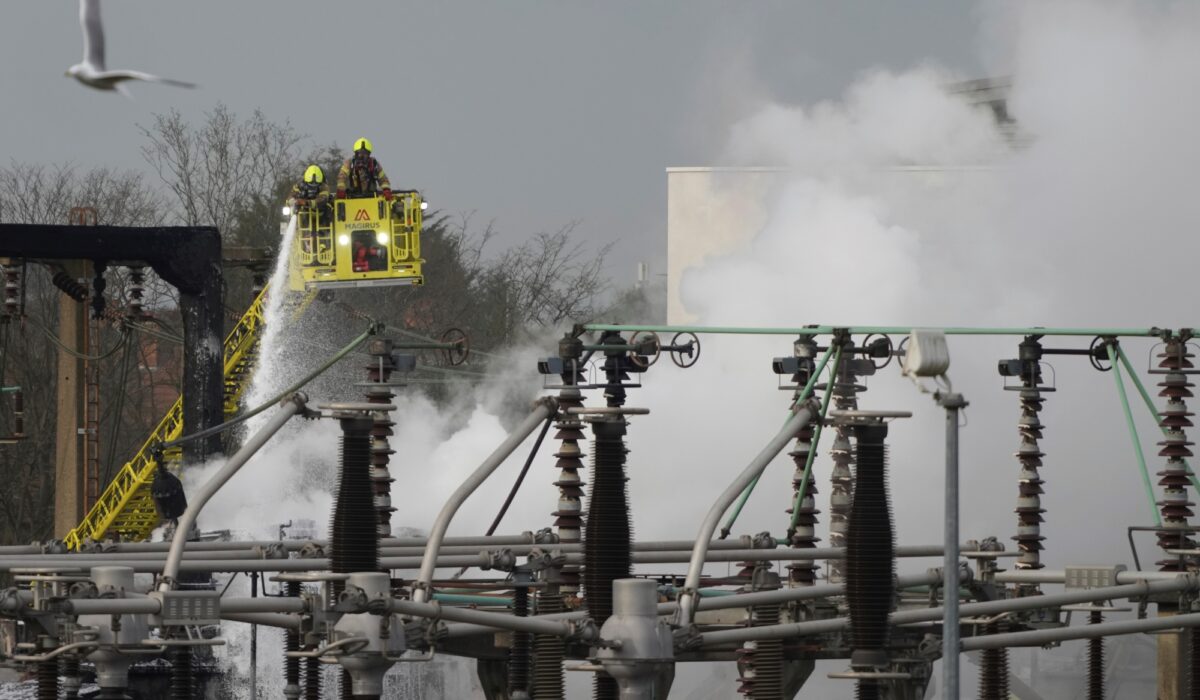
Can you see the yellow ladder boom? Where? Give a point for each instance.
(125, 511)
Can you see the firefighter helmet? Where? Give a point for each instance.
(314, 175)
(362, 145)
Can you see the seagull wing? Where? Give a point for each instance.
(117, 76)
(93, 33)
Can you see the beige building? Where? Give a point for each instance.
(710, 213)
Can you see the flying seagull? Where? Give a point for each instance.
(91, 71)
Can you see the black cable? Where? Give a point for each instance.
(217, 429)
(512, 493)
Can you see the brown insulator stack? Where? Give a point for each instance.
(803, 572)
(1175, 363)
(137, 293)
(870, 559)
(550, 651)
(760, 662)
(1029, 483)
(993, 669)
(353, 534)
(841, 495)
(568, 518)
(379, 391)
(1095, 679)
(12, 291)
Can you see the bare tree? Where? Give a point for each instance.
(216, 169)
(45, 194)
(554, 278)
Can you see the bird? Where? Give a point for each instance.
(91, 71)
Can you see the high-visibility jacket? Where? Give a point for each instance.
(312, 192)
(362, 177)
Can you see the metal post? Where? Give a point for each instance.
(953, 403)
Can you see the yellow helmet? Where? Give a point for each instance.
(362, 145)
(314, 174)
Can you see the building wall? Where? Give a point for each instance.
(715, 212)
(710, 212)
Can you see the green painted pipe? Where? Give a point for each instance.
(894, 330)
(800, 399)
(1133, 435)
(1137, 382)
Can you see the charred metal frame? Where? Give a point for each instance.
(188, 258)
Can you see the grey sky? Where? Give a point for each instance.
(531, 114)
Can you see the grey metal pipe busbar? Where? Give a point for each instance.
(990, 607)
(1064, 634)
(687, 600)
(290, 407)
(1060, 576)
(543, 409)
(533, 625)
(472, 556)
(289, 545)
(953, 403)
(199, 562)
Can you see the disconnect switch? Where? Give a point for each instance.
(189, 608)
(1078, 577)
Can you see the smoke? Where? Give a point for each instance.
(899, 204)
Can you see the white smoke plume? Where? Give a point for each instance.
(899, 205)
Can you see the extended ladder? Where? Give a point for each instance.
(125, 511)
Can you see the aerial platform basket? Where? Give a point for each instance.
(358, 242)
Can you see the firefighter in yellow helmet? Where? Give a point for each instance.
(362, 176)
(312, 190)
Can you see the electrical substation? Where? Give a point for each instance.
(113, 610)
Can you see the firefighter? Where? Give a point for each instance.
(362, 176)
(311, 191)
